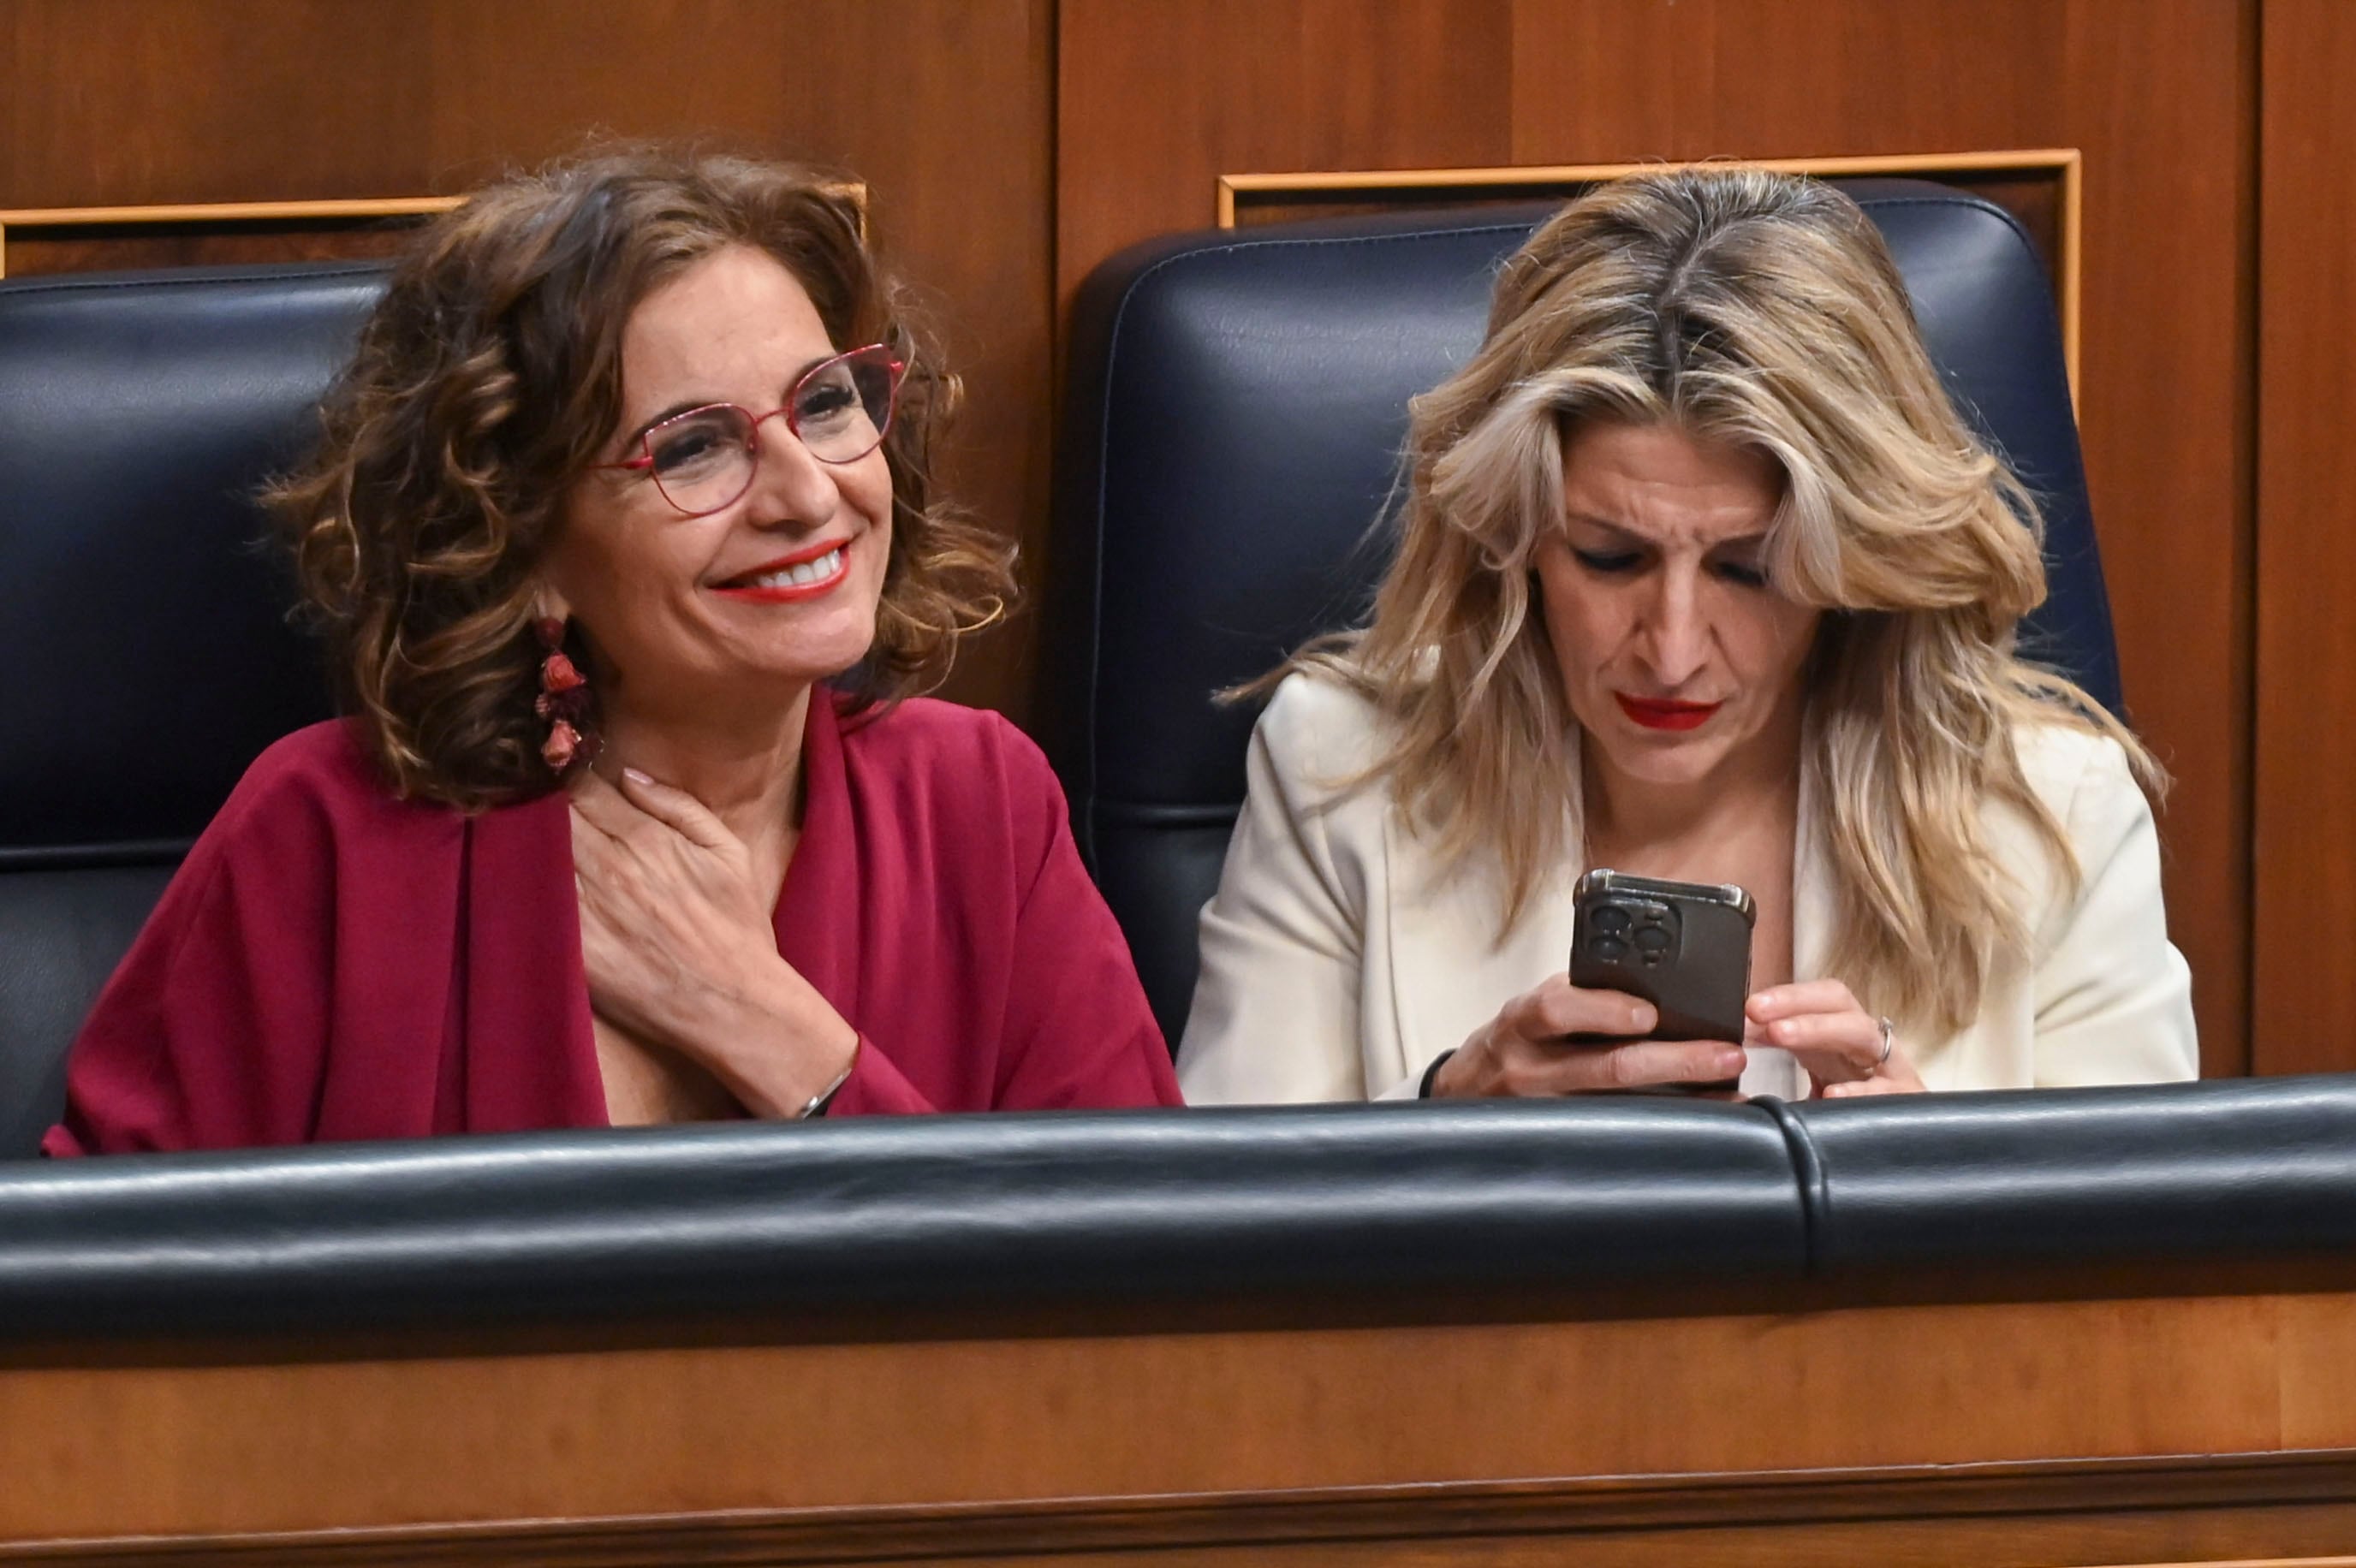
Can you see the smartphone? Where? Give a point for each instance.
(1683, 947)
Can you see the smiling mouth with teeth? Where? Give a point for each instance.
(786, 583)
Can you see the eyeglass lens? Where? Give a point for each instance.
(704, 460)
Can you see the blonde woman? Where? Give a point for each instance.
(1701, 577)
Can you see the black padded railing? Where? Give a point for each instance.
(1166, 1206)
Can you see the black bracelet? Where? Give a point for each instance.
(1431, 1075)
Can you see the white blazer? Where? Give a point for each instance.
(1337, 961)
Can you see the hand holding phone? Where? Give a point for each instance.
(1683, 947)
(1559, 1038)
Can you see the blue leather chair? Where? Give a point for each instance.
(143, 618)
(1236, 402)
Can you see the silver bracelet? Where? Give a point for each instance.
(816, 1103)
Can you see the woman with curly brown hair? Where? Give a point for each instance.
(623, 537)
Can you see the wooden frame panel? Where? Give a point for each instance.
(2063, 165)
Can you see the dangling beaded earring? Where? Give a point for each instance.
(563, 701)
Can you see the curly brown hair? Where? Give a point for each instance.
(484, 383)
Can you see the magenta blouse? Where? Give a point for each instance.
(334, 963)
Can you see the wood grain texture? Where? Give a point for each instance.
(156, 100)
(2160, 94)
(2069, 1511)
(2305, 919)
(943, 106)
(95, 1452)
(1158, 98)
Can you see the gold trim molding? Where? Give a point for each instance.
(224, 215)
(66, 220)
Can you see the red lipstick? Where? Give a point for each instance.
(1665, 713)
(745, 588)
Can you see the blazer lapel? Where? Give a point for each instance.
(1438, 936)
(820, 907)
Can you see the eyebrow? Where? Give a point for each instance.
(689, 405)
(1625, 532)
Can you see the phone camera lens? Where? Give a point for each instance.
(1610, 918)
(1611, 949)
(1653, 939)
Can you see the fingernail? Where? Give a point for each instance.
(1783, 1028)
(1641, 1018)
(635, 776)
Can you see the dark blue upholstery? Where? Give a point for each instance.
(143, 615)
(1302, 1209)
(1235, 406)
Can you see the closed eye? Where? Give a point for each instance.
(1743, 573)
(1610, 562)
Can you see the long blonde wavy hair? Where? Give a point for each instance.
(1765, 311)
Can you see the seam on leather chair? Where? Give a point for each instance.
(78, 856)
(1873, 204)
(1807, 1172)
(1961, 198)
(2020, 235)
(1155, 814)
(1870, 205)
(1104, 439)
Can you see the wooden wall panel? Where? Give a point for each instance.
(122, 101)
(2158, 93)
(943, 106)
(1238, 86)
(1414, 1443)
(2304, 972)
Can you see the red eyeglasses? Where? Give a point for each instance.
(704, 459)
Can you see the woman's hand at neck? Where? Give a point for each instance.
(743, 767)
(679, 877)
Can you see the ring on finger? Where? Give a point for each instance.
(1889, 1038)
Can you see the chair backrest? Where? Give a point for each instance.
(143, 615)
(1235, 407)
